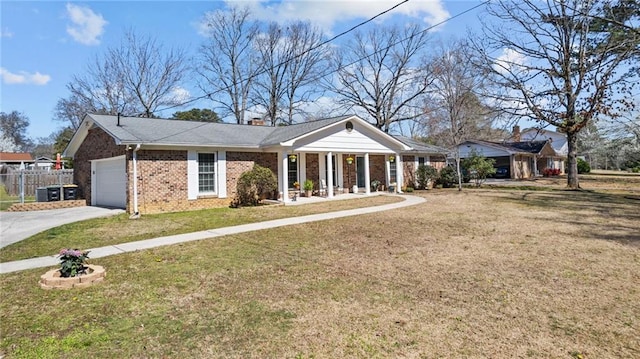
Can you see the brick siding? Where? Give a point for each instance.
(240, 162)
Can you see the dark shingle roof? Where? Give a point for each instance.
(516, 147)
(419, 146)
(178, 132)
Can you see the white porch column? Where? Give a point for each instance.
(399, 172)
(302, 165)
(535, 166)
(367, 175)
(329, 175)
(283, 168)
(387, 170)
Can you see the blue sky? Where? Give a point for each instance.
(45, 43)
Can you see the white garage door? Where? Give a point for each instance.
(109, 183)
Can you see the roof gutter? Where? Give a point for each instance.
(136, 213)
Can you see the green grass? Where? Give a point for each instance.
(473, 274)
(6, 200)
(120, 229)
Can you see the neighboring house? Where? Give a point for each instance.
(15, 159)
(151, 165)
(558, 143)
(521, 158)
(42, 163)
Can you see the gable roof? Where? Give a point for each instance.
(420, 147)
(520, 147)
(168, 132)
(15, 157)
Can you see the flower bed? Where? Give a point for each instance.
(54, 280)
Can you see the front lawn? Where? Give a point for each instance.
(120, 229)
(483, 273)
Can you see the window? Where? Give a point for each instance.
(392, 171)
(206, 173)
(293, 171)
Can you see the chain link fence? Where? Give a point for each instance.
(20, 186)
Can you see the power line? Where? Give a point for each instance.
(331, 71)
(353, 28)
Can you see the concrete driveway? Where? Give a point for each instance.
(16, 226)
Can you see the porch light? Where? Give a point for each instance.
(392, 158)
(349, 160)
(292, 157)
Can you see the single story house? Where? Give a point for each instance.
(558, 142)
(15, 160)
(521, 158)
(150, 165)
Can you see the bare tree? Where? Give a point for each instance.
(228, 60)
(453, 107)
(101, 90)
(309, 57)
(290, 57)
(151, 74)
(380, 73)
(135, 78)
(557, 68)
(71, 110)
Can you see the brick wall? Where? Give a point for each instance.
(313, 169)
(96, 145)
(39, 206)
(377, 168)
(240, 162)
(162, 181)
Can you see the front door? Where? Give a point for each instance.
(360, 172)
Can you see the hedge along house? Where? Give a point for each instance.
(520, 157)
(149, 165)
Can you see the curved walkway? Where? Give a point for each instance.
(100, 252)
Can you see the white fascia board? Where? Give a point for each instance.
(374, 130)
(78, 137)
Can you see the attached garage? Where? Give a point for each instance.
(109, 182)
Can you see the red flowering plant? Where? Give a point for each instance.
(72, 262)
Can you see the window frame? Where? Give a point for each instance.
(213, 173)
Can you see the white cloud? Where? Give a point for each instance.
(6, 33)
(180, 94)
(23, 78)
(509, 61)
(326, 14)
(87, 26)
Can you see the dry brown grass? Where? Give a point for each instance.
(478, 274)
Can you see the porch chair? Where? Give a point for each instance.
(323, 188)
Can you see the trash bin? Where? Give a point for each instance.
(70, 191)
(42, 194)
(53, 193)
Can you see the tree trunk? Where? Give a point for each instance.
(572, 163)
(458, 170)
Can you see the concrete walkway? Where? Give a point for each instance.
(100, 252)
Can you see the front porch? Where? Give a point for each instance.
(297, 200)
(335, 174)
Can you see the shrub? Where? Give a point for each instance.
(448, 177)
(478, 167)
(583, 166)
(426, 174)
(409, 189)
(254, 186)
(72, 262)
